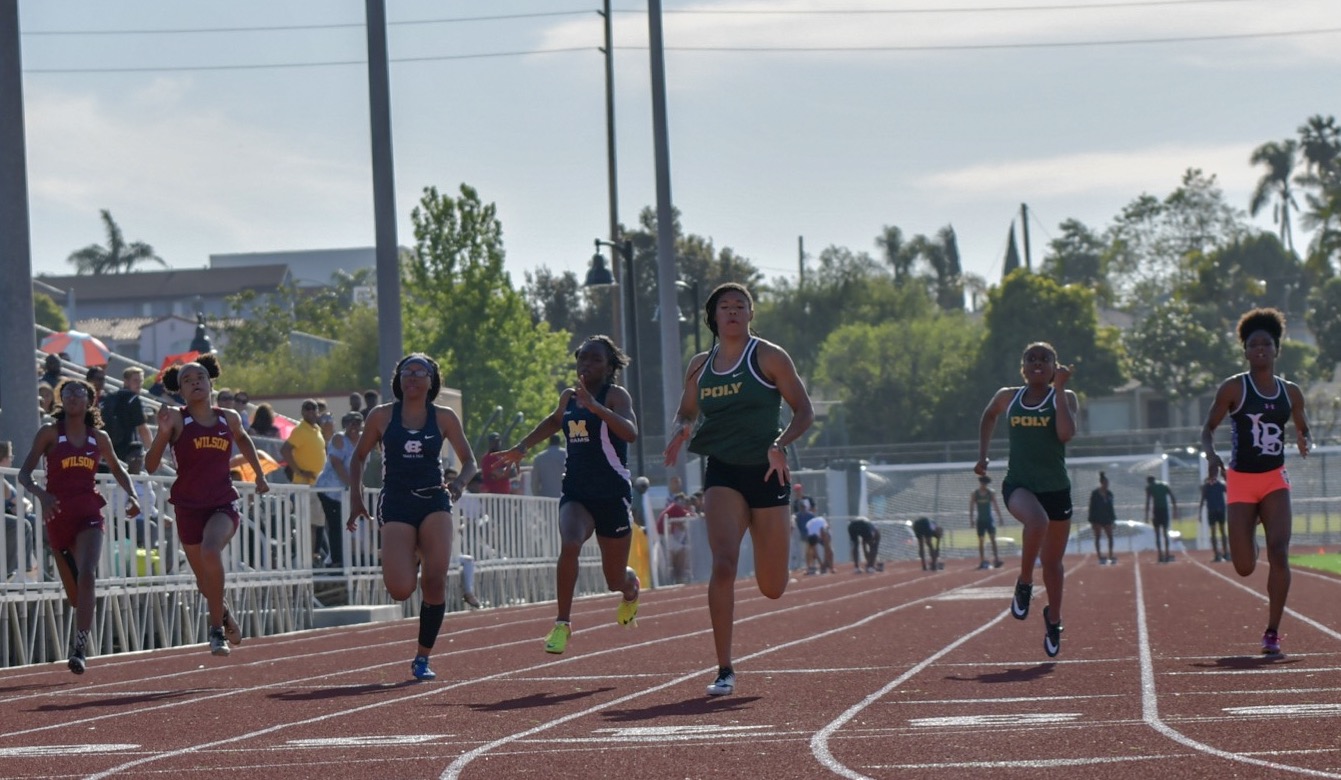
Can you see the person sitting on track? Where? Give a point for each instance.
(929, 536)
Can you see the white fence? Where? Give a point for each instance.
(146, 594)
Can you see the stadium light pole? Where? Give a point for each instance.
(599, 276)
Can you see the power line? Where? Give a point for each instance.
(721, 49)
(677, 12)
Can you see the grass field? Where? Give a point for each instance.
(1327, 562)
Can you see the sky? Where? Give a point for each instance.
(209, 128)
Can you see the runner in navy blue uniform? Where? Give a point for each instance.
(738, 387)
(596, 416)
(1259, 404)
(414, 508)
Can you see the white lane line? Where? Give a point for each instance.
(435, 689)
(1264, 670)
(819, 743)
(1042, 763)
(1011, 699)
(1150, 697)
(454, 771)
(1333, 633)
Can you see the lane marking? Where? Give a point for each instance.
(1017, 719)
(980, 594)
(454, 771)
(1150, 697)
(1016, 699)
(368, 741)
(1039, 763)
(1291, 710)
(63, 750)
(1296, 615)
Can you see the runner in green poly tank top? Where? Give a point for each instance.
(1037, 488)
(734, 391)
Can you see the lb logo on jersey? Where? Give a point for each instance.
(1268, 438)
(720, 391)
(577, 430)
(414, 448)
(1029, 421)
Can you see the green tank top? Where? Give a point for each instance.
(739, 411)
(1037, 456)
(984, 499)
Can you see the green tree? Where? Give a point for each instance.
(1029, 307)
(470, 318)
(894, 378)
(1320, 142)
(48, 313)
(117, 256)
(1276, 184)
(565, 305)
(1077, 257)
(941, 255)
(1255, 270)
(1174, 352)
(1324, 317)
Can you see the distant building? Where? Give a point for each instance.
(308, 267)
(160, 293)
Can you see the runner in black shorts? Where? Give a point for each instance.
(929, 537)
(737, 389)
(596, 417)
(1213, 498)
(865, 539)
(1037, 487)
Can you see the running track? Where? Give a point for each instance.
(902, 674)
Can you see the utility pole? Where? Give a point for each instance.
(390, 341)
(18, 391)
(800, 262)
(1024, 224)
(620, 331)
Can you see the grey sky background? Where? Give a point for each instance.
(822, 119)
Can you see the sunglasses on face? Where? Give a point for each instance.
(242, 399)
(415, 373)
(225, 399)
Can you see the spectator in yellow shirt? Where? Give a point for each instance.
(305, 452)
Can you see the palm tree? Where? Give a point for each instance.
(1279, 159)
(115, 258)
(897, 253)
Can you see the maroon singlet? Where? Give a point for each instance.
(202, 454)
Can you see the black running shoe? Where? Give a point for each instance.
(1019, 606)
(1052, 640)
(78, 661)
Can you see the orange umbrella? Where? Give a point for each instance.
(180, 359)
(268, 464)
(82, 348)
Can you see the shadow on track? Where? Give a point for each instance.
(340, 692)
(1245, 662)
(1009, 676)
(694, 707)
(535, 700)
(124, 701)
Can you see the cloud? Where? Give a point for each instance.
(1157, 170)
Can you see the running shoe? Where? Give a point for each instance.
(470, 600)
(419, 668)
(557, 641)
(1019, 606)
(628, 610)
(984, 565)
(1270, 643)
(725, 684)
(78, 660)
(231, 629)
(998, 563)
(218, 642)
(1052, 640)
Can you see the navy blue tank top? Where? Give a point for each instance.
(1258, 429)
(411, 459)
(597, 464)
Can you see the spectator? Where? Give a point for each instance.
(263, 421)
(371, 398)
(46, 398)
(123, 415)
(305, 453)
(146, 531)
(356, 403)
(241, 404)
(325, 421)
(97, 377)
(495, 469)
(334, 481)
(16, 515)
(51, 373)
(1213, 498)
(803, 508)
(1102, 518)
(672, 527)
(547, 469)
(981, 517)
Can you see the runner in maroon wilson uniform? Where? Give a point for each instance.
(71, 507)
(202, 438)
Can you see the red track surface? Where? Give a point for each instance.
(901, 674)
